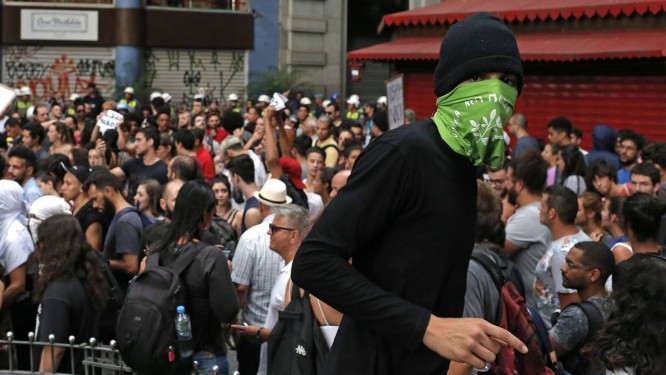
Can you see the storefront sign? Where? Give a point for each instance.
(38, 24)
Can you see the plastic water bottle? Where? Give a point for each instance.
(184, 332)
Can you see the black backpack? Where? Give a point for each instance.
(296, 345)
(225, 235)
(574, 362)
(146, 331)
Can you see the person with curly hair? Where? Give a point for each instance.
(70, 288)
(633, 340)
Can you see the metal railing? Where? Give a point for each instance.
(97, 359)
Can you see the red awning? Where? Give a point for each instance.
(448, 12)
(615, 44)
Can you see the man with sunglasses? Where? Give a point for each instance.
(255, 269)
(587, 267)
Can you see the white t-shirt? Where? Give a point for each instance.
(276, 305)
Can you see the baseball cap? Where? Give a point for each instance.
(292, 169)
(79, 171)
(121, 106)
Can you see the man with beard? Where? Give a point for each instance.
(630, 147)
(586, 269)
(123, 244)
(497, 180)
(145, 165)
(22, 165)
(526, 238)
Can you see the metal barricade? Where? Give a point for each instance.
(97, 359)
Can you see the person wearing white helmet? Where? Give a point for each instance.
(382, 103)
(232, 101)
(130, 100)
(71, 104)
(263, 101)
(24, 100)
(154, 95)
(353, 112)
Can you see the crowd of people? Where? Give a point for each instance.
(245, 182)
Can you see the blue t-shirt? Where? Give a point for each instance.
(523, 144)
(623, 176)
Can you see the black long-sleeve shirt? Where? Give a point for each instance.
(210, 297)
(406, 217)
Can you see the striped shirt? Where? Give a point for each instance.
(256, 266)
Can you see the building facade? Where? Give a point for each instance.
(58, 47)
(594, 61)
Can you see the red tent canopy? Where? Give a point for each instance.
(570, 46)
(448, 12)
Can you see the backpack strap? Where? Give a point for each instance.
(184, 259)
(594, 317)
(186, 256)
(546, 346)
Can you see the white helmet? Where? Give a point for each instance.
(154, 95)
(355, 100)
(306, 101)
(167, 98)
(381, 100)
(264, 98)
(232, 97)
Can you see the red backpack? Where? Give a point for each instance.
(514, 316)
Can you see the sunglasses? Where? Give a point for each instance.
(275, 228)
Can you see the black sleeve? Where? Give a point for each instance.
(376, 192)
(223, 298)
(54, 314)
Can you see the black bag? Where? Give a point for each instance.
(224, 234)
(574, 362)
(296, 345)
(146, 331)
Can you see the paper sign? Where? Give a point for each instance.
(396, 102)
(278, 101)
(7, 96)
(109, 120)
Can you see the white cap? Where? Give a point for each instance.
(355, 100)
(73, 97)
(264, 98)
(325, 103)
(306, 101)
(381, 100)
(198, 97)
(166, 97)
(232, 97)
(24, 91)
(129, 90)
(154, 95)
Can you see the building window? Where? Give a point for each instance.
(201, 4)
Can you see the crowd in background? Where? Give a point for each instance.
(237, 174)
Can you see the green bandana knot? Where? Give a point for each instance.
(470, 119)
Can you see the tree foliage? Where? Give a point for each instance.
(278, 81)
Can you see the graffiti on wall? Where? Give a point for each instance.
(183, 73)
(55, 75)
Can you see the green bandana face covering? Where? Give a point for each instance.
(471, 117)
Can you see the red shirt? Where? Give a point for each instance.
(206, 164)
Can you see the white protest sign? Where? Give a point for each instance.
(396, 102)
(109, 120)
(278, 101)
(7, 96)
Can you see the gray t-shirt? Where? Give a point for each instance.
(481, 296)
(526, 231)
(124, 237)
(572, 325)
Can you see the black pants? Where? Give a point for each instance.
(248, 352)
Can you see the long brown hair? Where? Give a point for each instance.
(63, 253)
